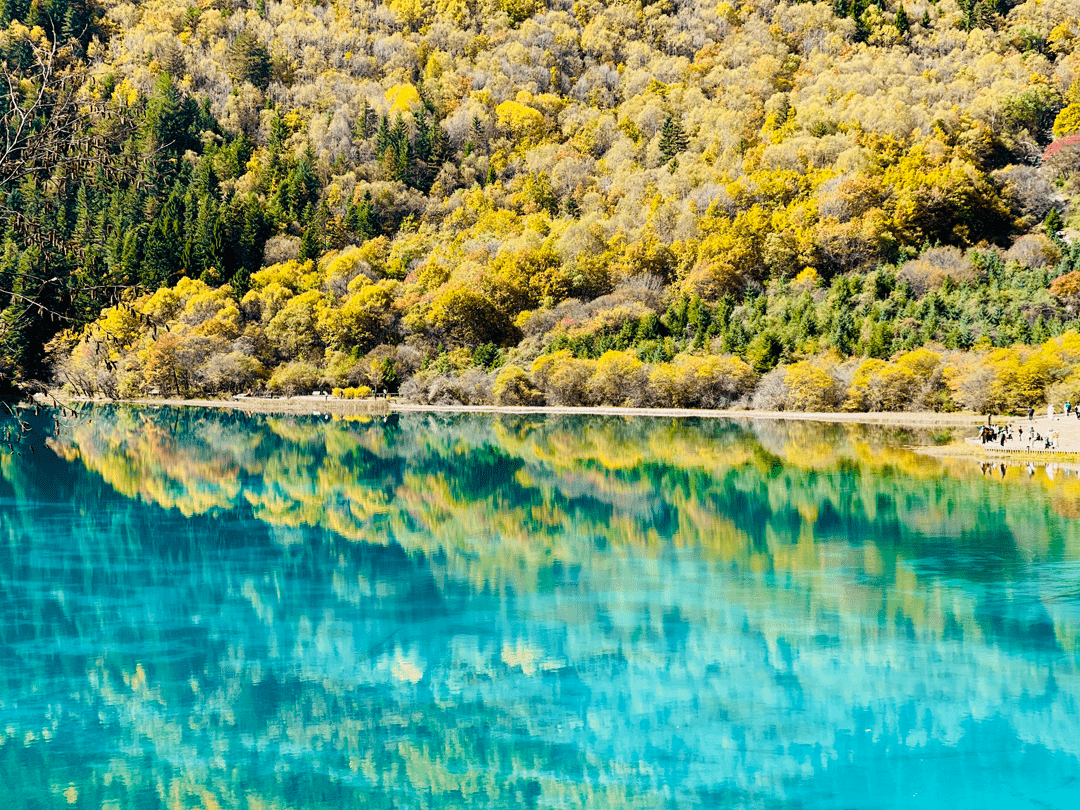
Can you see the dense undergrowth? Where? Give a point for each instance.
(666, 203)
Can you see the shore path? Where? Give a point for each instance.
(1065, 432)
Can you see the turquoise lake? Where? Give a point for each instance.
(218, 610)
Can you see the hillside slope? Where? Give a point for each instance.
(588, 201)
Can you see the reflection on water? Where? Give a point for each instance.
(217, 610)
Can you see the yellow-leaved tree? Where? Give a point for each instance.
(520, 120)
(810, 387)
(619, 379)
(901, 384)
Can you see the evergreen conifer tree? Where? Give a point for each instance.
(249, 60)
(382, 137)
(903, 25)
(1053, 223)
(673, 138)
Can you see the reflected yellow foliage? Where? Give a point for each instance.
(493, 501)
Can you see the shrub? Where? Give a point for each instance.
(473, 387)
(232, 372)
(1063, 155)
(771, 392)
(1028, 192)
(810, 388)
(1067, 121)
(619, 379)
(514, 387)
(929, 271)
(1035, 251)
(1066, 288)
(906, 383)
(563, 378)
(290, 379)
(714, 381)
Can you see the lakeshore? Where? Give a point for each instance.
(1067, 444)
(318, 405)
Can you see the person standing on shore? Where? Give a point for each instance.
(1050, 411)
(1031, 414)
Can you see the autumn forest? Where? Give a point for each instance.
(860, 205)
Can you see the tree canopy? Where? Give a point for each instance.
(761, 180)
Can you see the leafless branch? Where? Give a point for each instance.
(45, 113)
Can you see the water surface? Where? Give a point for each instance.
(232, 611)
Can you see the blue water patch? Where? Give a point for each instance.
(202, 609)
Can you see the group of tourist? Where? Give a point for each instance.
(995, 434)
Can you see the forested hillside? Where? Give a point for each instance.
(851, 204)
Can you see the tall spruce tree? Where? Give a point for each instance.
(673, 139)
(901, 21)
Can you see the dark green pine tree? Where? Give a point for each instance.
(25, 324)
(253, 238)
(208, 239)
(82, 234)
(302, 185)
(421, 152)
(971, 14)
(844, 332)
(404, 168)
(313, 241)
(189, 254)
(399, 156)
(440, 148)
(399, 133)
(1022, 330)
(9, 263)
(1040, 332)
(248, 60)
(879, 343)
(168, 119)
(362, 218)
(862, 29)
(131, 255)
(673, 139)
(161, 252)
(75, 20)
(901, 21)
(279, 133)
(1053, 224)
(310, 243)
(164, 246)
(36, 16)
(382, 137)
